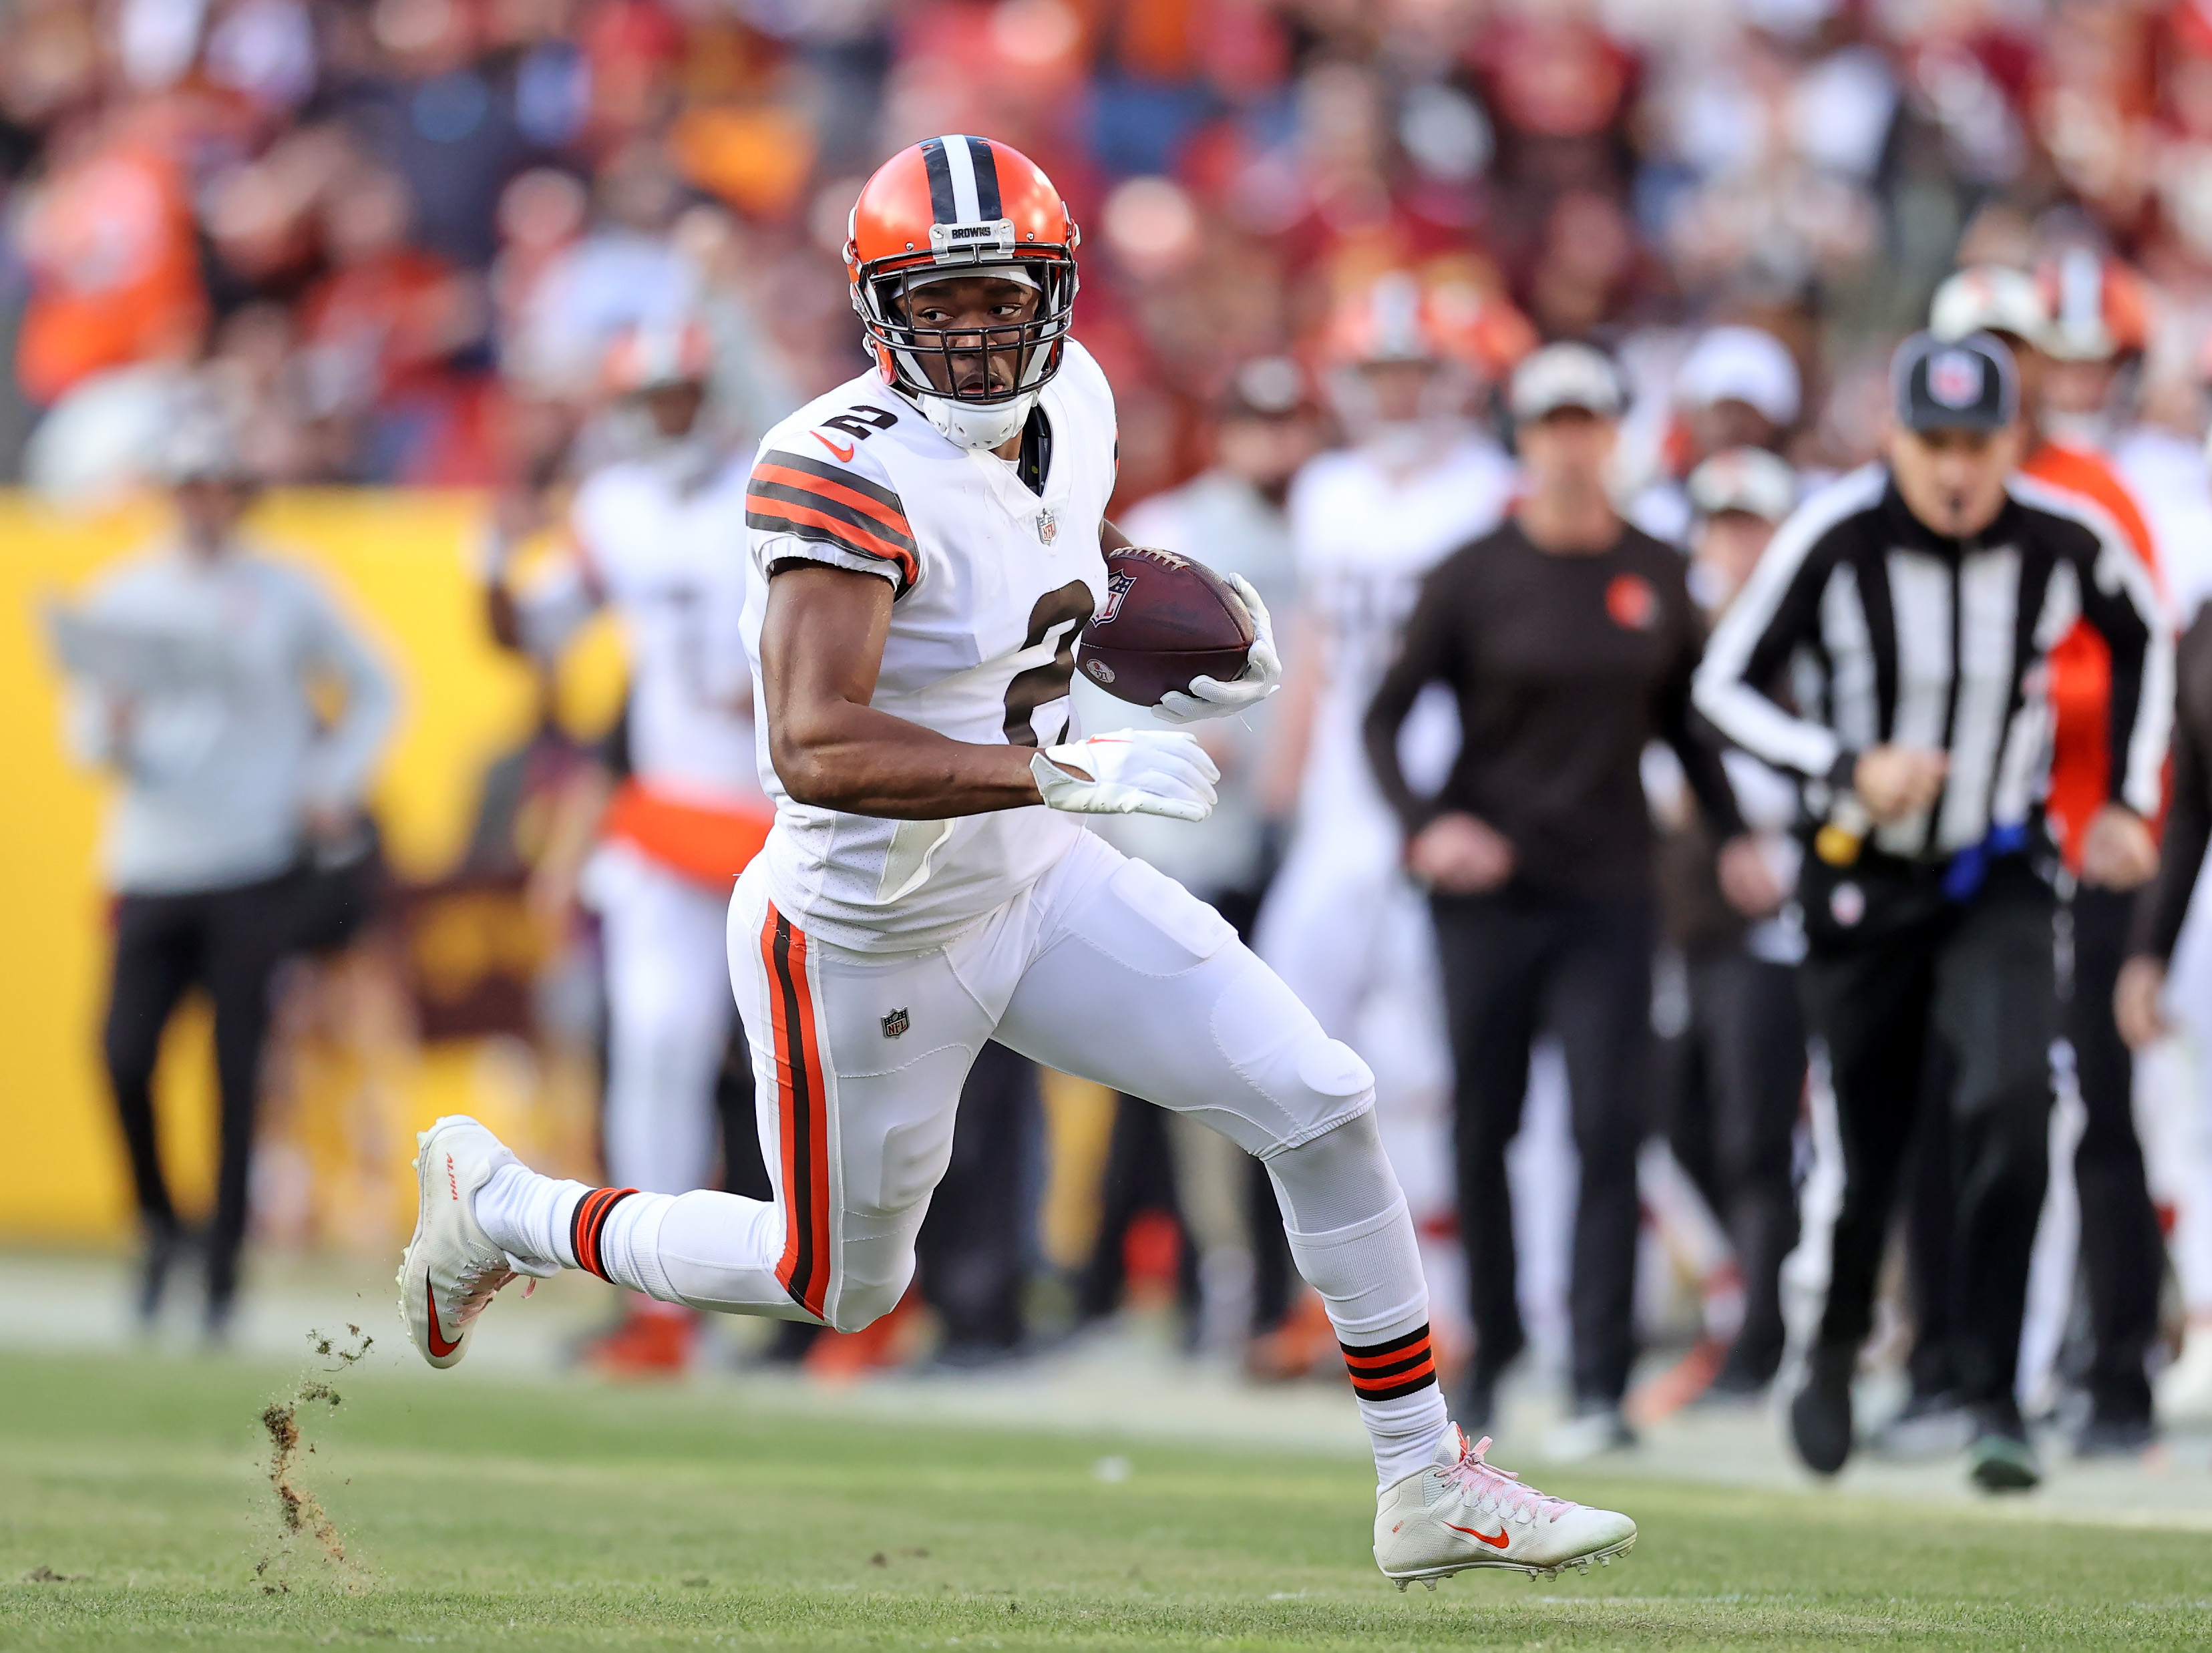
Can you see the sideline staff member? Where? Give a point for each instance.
(198, 667)
(1569, 639)
(1917, 602)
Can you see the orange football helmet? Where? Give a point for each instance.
(2099, 307)
(1468, 339)
(955, 206)
(1399, 317)
(652, 355)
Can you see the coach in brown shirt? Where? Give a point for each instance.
(1569, 639)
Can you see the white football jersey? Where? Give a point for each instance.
(1365, 540)
(657, 543)
(991, 582)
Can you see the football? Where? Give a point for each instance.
(1166, 620)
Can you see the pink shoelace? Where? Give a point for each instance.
(1500, 1489)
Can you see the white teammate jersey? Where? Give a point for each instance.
(1364, 540)
(991, 582)
(657, 542)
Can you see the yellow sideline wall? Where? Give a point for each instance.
(400, 563)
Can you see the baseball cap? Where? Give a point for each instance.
(1740, 364)
(1564, 376)
(1990, 298)
(1744, 479)
(1966, 384)
(1265, 387)
(200, 443)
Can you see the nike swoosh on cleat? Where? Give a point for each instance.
(844, 454)
(439, 1347)
(1496, 1543)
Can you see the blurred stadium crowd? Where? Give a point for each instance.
(401, 233)
(397, 241)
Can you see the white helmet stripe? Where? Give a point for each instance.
(960, 163)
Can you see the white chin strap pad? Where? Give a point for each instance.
(974, 425)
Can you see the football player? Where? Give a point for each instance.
(1342, 925)
(927, 540)
(652, 533)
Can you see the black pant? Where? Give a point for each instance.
(973, 1250)
(2122, 1251)
(1516, 963)
(1913, 968)
(1738, 1077)
(228, 941)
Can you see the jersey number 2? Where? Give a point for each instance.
(1059, 615)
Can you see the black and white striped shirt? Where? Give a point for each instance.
(1881, 630)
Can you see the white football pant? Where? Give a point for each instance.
(668, 1018)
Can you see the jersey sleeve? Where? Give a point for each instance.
(804, 509)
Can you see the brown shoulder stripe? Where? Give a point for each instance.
(804, 522)
(768, 492)
(818, 472)
(793, 495)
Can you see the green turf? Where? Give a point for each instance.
(553, 1516)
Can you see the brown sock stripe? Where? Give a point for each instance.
(590, 1222)
(1384, 1371)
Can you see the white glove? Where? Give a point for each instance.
(1209, 697)
(1132, 772)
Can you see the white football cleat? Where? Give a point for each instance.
(1462, 1512)
(2184, 1388)
(452, 1269)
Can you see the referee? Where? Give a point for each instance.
(1911, 607)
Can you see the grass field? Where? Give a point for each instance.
(135, 1506)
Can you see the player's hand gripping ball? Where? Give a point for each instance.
(1174, 636)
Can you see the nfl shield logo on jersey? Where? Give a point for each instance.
(1048, 526)
(896, 1022)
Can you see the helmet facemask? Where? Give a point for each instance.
(977, 415)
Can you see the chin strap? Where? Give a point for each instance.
(975, 426)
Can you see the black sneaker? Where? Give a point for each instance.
(167, 1246)
(2000, 1458)
(1820, 1416)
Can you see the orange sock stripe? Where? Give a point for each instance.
(589, 1222)
(1385, 1371)
(1376, 1389)
(1382, 1361)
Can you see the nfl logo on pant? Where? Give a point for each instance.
(895, 1024)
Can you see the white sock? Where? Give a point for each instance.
(629, 1245)
(1405, 1431)
(527, 1216)
(1366, 1264)
(1362, 1272)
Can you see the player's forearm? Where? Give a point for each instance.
(865, 762)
